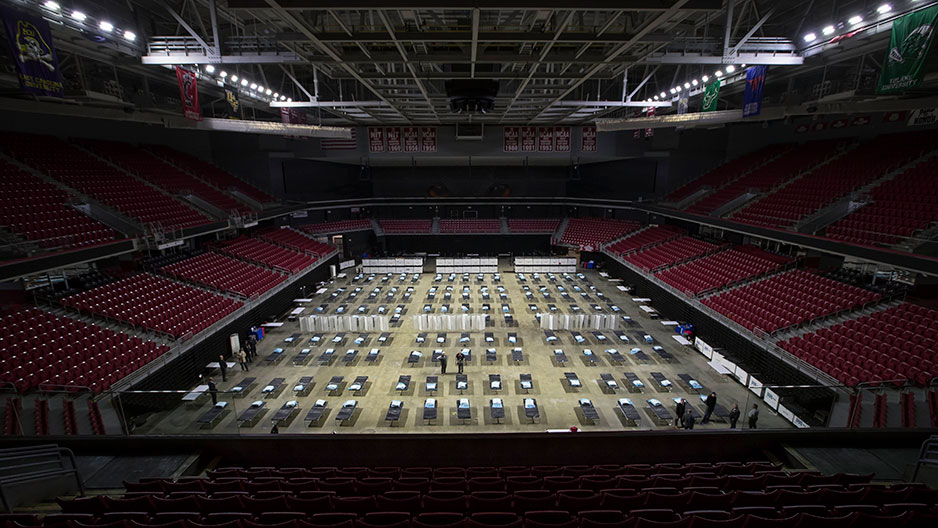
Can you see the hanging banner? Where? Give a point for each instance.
(752, 96)
(428, 139)
(545, 139)
(393, 135)
(588, 139)
(375, 139)
(711, 96)
(411, 139)
(650, 112)
(189, 94)
(31, 47)
(512, 138)
(233, 105)
(562, 139)
(682, 104)
(904, 64)
(528, 139)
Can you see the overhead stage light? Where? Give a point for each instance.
(663, 95)
(705, 78)
(234, 78)
(51, 6)
(106, 26)
(810, 37)
(730, 68)
(719, 73)
(79, 16)
(854, 20)
(828, 30)
(244, 82)
(130, 35)
(883, 9)
(694, 82)
(254, 86)
(686, 86)
(223, 74)
(209, 68)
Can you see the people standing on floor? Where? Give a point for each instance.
(734, 416)
(243, 359)
(443, 362)
(679, 411)
(689, 420)
(711, 403)
(251, 346)
(460, 359)
(753, 416)
(213, 391)
(223, 366)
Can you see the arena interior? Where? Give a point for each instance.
(468, 264)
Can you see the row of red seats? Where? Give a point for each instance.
(338, 226)
(727, 172)
(162, 174)
(790, 298)
(646, 237)
(767, 177)
(40, 212)
(68, 413)
(209, 173)
(722, 269)
(160, 304)
(393, 472)
(533, 225)
(594, 232)
(85, 173)
(287, 237)
(226, 274)
(97, 421)
(670, 253)
(850, 516)
(900, 342)
(41, 417)
(901, 206)
(826, 184)
(276, 257)
(406, 226)
(487, 225)
(44, 348)
(11, 422)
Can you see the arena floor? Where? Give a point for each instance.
(556, 400)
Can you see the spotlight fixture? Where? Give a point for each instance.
(686, 86)
(254, 86)
(130, 35)
(244, 82)
(854, 20)
(289, 99)
(209, 68)
(694, 82)
(828, 30)
(79, 16)
(730, 68)
(810, 37)
(663, 95)
(276, 95)
(656, 98)
(260, 88)
(223, 74)
(883, 9)
(51, 6)
(678, 88)
(106, 26)
(705, 78)
(283, 98)
(268, 91)
(673, 91)
(234, 78)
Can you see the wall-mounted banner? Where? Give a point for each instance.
(232, 105)
(922, 116)
(711, 97)
(512, 139)
(703, 347)
(428, 139)
(189, 94)
(393, 135)
(588, 139)
(528, 139)
(562, 139)
(37, 65)
(545, 139)
(752, 96)
(650, 112)
(411, 139)
(755, 386)
(375, 139)
(905, 61)
(771, 399)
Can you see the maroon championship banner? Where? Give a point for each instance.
(189, 94)
(411, 139)
(512, 139)
(545, 139)
(650, 112)
(393, 135)
(562, 139)
(588, 139)
(528, 139)
(375, 139)
(428, 139)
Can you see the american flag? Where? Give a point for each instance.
(340, 144)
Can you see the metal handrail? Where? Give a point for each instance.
(19, 468)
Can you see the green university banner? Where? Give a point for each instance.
(711, 96)
(904, 65)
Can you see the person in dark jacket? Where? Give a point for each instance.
(711, 403)
(753, 416)
(223, 366)
(734, 416)
(679, 411)
(460, 361)
(213, 390)
(443, 363)
(689, 420)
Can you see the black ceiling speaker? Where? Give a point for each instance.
(471, 96)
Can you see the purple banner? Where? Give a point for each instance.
(37, 65)
(752, 98)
